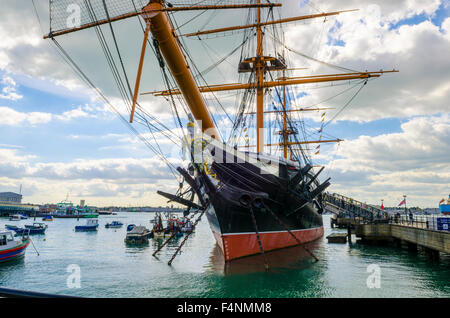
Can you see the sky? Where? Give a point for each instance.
(58, 139)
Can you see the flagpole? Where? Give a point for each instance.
(404, 197)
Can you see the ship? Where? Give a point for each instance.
(444, 207)
(255, 200)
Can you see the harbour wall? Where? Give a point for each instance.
(438, 241)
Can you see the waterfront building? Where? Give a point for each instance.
(11, 203)
(10, 197)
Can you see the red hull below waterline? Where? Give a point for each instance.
(240, 245)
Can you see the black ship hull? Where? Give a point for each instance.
(246, 205)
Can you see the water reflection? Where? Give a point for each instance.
(295, 257)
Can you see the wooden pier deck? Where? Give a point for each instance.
(371, 224)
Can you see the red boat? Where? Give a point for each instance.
(11, 249)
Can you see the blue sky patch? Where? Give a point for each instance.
(437, 18)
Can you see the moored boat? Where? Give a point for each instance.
(187, 226)
(47, 218)
(91, 225)
(138, 235)
(35, 228)
(15, 217)
(445, 207)
(11, 249)
(114, 225)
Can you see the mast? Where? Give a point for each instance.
(164, 33)
(284, 132)
(259, 72)
(170, 52)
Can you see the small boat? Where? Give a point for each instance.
(36, 228)
(187, 227)
(138, 235)
(444, 207)
(91, 225)
(47, 218)
(15, 217)
(11, 249)
(158, 228)
(114, 225)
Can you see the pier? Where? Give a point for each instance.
(373, 225)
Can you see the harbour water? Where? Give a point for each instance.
(109, 268)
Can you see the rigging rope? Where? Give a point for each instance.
(348, 103)
(314, 59)
(85, 79)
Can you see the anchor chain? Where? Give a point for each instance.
(266, 266)
(292, 234)
(185, 239)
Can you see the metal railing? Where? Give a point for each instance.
(355, 208)
(428, 222)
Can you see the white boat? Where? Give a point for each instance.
(15, 217)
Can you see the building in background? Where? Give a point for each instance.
(11, 203)
(10, 197)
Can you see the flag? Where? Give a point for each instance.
(318, 147)
(382, 206)
(320, 130)
(323, 115)
(442, 201)
(317, 152)
(403, 202)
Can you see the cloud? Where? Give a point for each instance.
(414, 161)
(103, 181)
(9, 89)
(10, 117)
(421, 87)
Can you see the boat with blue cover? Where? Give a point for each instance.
(11, 249)
(114, 225)
(91, 225)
